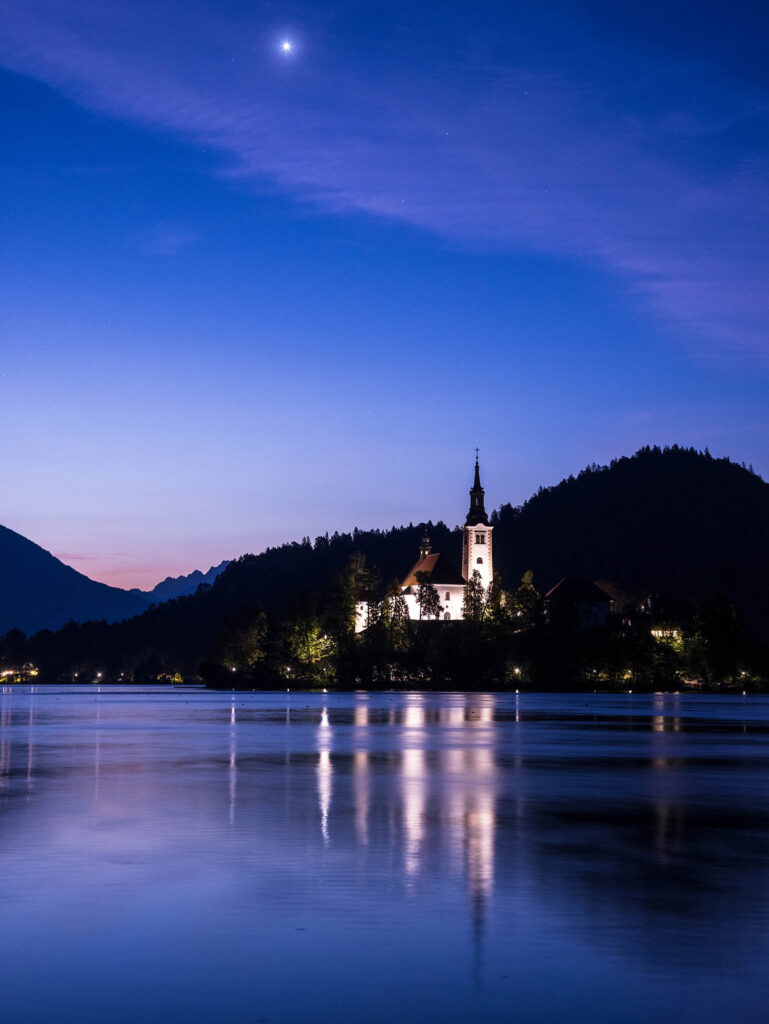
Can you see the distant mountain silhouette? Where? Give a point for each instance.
(180, 586)
(40, 592)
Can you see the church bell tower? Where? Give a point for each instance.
(476, 535)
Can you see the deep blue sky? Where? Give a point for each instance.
(249, 295)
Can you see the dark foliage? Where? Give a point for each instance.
(664, 521)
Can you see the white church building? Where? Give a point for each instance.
(447, 580)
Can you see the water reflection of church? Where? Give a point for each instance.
(452, 780)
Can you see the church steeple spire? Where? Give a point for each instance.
(477, 514)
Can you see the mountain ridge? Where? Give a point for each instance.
(42, 592)
(179, 586)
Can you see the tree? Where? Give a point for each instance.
(394, 615)
(428, 598)
(308, 648)
(244, 639)
(13, 648)
(340, 607)
(474, 599)
(496, 602)
(526, 604)
(718, 640)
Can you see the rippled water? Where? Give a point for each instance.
(185, 855)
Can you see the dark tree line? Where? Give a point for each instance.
(507, 639)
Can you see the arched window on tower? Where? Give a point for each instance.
(447, 616)
(480, 561)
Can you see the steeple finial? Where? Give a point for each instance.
(477, 513)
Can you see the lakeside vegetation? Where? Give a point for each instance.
(679, 538)
(509, 639)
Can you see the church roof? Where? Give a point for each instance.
(438, 568)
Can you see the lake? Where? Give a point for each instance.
(184, 855)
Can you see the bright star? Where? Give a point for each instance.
(287, 46)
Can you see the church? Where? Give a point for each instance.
(448, 581)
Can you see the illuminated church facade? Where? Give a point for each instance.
(448, 580)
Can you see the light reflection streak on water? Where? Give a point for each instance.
(667, 816)
(413, 782)
(31, 751)
(361, 770)
(5, 738)
(479, 814)
(233, 763)
(325, 771)
(97, 751)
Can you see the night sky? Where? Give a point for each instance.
(251, 292)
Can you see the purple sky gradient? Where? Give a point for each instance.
(232, 271)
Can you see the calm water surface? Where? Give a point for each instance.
(172, 855)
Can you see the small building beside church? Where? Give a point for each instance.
(577, 605)
(448, 580)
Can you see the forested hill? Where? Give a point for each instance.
(662, 521)
(278, 574)
(672, 520)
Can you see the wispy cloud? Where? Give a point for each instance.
(74, 556)
(167, 239)
(556, 160)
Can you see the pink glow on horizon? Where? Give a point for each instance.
(143, 576)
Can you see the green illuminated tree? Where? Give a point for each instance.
(308, 649)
